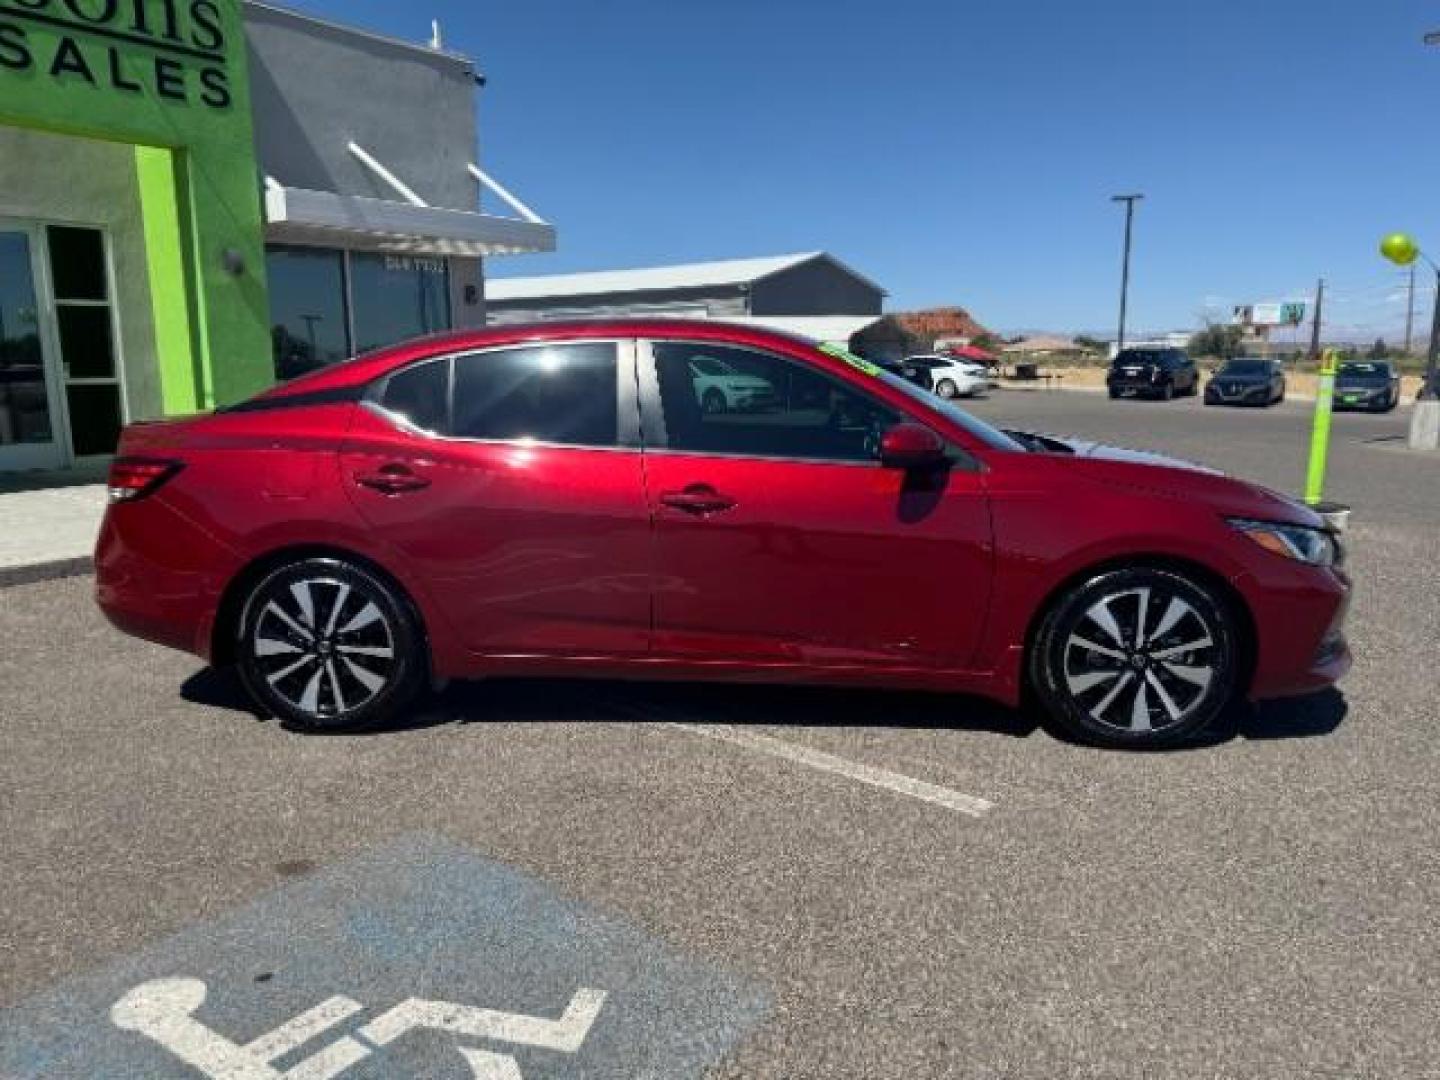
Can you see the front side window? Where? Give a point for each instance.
(724, 400)
(550, 393)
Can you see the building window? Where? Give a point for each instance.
(397, 297)
(24, 401)
(326, 305)
(87, 338)
(307, 309)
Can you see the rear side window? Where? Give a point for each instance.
(761, 405)
(420, 395)
(550, 393)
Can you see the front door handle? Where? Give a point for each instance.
(697, 499)
(392, 479)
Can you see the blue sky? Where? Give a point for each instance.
(964, 151)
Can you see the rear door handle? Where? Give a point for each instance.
(392, 479)
(697, 499)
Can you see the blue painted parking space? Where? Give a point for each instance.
(419, 959)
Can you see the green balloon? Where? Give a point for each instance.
(1399, 249)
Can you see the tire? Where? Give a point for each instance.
(947, 390)
(1167, 392)
(1114, 394)
(366, 663)
(714, 402)
(1394, 402)
(1102, 688)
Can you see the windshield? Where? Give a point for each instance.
(1364, 372)
(991, 437)
(1246, 367)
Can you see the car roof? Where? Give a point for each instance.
(366, 368)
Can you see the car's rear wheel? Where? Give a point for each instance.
(947, 389)
(1167, 391)
(1136, 658)
(324, 644)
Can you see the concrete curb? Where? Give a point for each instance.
(34, 573)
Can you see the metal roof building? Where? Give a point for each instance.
(806, 285)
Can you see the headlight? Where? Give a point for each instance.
(1314, 546)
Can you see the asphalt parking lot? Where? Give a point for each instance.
(580, 879)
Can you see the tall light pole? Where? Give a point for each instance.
(1129, 201)
(1410, 313)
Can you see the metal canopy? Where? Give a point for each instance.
(414, 227)
(300, 216)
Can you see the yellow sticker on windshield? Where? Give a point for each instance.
(850, 358)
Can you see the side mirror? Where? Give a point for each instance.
(911, 446)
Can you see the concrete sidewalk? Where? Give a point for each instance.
(48, 531)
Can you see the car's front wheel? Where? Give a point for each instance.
(1143, 657)
(947, 389)
(325, 644)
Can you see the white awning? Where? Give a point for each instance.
(323, 218)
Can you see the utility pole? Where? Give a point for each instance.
(1129, 201)
(1410, 312)
(1315, 329)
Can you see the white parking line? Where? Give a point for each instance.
(865, 774)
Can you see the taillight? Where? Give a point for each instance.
(133, 478)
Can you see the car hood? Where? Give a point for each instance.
(1160, 474)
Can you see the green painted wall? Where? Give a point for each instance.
(170, 77)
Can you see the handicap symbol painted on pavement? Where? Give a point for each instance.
(163, 1010)
(418, 959)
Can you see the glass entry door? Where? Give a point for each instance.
(32, 429)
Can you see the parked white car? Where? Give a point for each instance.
(949, 376)
(721, 388)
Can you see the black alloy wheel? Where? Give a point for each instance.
(326, 645)
(1138, 658)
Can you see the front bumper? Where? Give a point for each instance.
(1242, 395)
(1299, 614)
(1366, 399)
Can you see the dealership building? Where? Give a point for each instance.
(200, 196)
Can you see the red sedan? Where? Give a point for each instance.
(573, 499)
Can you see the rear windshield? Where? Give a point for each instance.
(1140, 356)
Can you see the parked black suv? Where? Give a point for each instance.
(1159, 373)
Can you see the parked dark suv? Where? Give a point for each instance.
(1158, 373)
